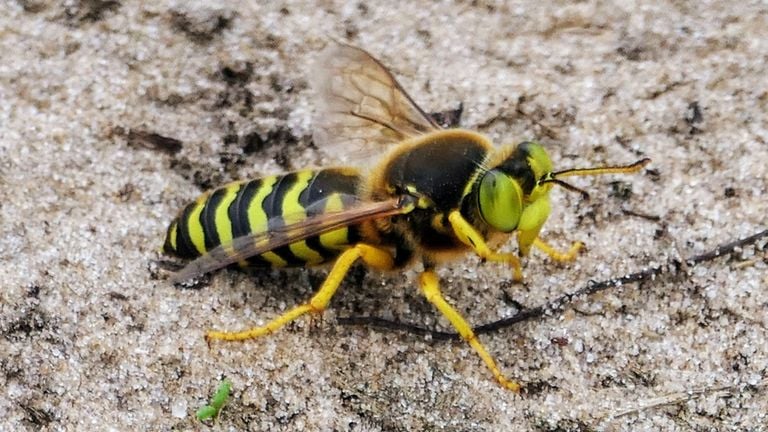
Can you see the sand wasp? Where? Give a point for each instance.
(437, 194)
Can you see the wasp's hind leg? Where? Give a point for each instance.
(557, 255)
(379, 259)
(430, 286)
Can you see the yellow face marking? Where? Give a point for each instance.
(257, 218)
(294, 212)
(337, 239)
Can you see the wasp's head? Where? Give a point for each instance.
(523, 175)
(509, 185)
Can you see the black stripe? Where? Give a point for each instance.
(167, 246)
(273, 207)
(208, 218)
(327, 182)
(184, 246)
(273, 203)
(318, 188)
(324, 184)
(238, 215)
(314, 244)
(238, 209)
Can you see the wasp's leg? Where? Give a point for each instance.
(556, 254)
(374, 257)
(430, 286)
(470, 237)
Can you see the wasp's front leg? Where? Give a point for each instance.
(468, 235)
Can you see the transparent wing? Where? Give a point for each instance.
(244, 247)
(360, 107)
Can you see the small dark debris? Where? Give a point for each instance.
(729, 192)
(114, 295)
(231, 160)
(167, 265)
(163, 98)
(508, 299)
(643, 378)
(666, 88)
(12, 368)
(280, 84)
(652, 218)
(37, 416)
(33, 321)
(739, 362)
(694, 117)
(201, 26)
(89, 10)
(33, 291)
(599, 148)
(693, 114)
(230, 138)
(559, 341)
(350, 29)
(283, 160)
(204, 179)
(126, 192)
(153, 141)
(621, 190)
(537, 387)
(237, 96)
(562, 425)
(237, 73)
(197, 283)
(631, 52)
(254, 142)
(425, 36)
(33, 6)
(449, 118)
(654, 174)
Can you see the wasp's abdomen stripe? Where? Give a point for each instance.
(214, 219)
(256, 206)
(184, 239)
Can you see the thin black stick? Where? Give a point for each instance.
(559, 303)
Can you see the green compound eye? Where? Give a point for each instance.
(500, 200)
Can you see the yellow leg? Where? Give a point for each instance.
(557, 255)
(430, 286)
(374, 257)
(468, 235)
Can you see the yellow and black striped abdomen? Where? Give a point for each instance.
(260, 205)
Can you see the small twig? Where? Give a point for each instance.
(679, 397)
(559, 303)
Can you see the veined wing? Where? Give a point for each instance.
(360, 107)
(244, 247)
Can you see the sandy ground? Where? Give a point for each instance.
(94, 337)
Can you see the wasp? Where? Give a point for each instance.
(436, 194)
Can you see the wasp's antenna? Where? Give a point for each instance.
(622, 169)
(567, 186)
